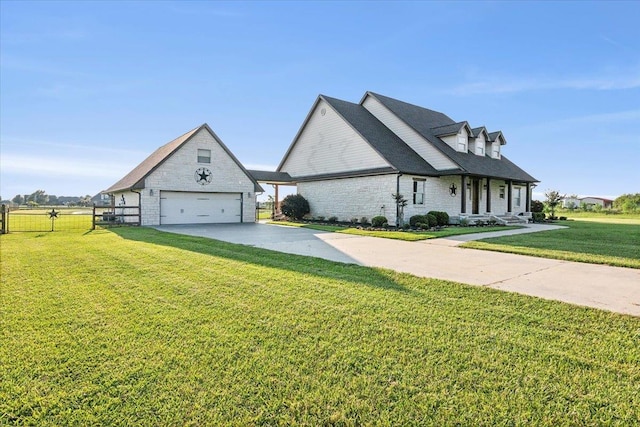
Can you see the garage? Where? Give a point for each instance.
(199, 208)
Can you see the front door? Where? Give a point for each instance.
(475, 196)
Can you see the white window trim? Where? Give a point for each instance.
(462, 143)
(418, 191)
(201, 158)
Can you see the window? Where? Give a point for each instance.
(204, 156)
(502, 191)
(518, 196)
(462, 143)
(418, 192)
(495, 150)
(479, 149)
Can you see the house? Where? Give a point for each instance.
(348, 159)
(591, 202)
(193, 179)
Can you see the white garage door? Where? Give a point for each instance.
(199, 208)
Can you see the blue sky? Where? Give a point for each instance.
(89, 89)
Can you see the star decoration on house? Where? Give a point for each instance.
(203, 175)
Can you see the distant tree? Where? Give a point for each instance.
(553, 199)
(628, 203)
(85, 201)
(40, 197)
(18, 199)
(53, 200)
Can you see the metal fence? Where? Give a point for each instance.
(61, 218)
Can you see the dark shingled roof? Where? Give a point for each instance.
(494, 135)
(449, 129)
(476, 131)
(393, 149)
(134, 180)
(423, 121)
(269, 177)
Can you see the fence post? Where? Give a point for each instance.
(3, 219)
(93, 218)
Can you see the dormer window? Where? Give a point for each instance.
(495, 150)
(462, 143)
(479, 149)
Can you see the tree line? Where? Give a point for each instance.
(41, 198)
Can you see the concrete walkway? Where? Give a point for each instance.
(608, 288)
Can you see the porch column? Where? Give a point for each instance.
(276, 206)
(509, 196)
(528, 198)
(463, 195)
(488, 195)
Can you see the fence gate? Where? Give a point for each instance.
(61, 218)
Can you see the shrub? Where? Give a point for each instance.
(320, 218)
(432, 220)
(354, 220)
(538, 216)
(364, 220)
(537, 206)
(332, 219)
(480, 223)
(379, 221)
(422, 225)
(441, 217)
(445, 218)
(563, 218)
(416, 219)
(406, 226)
(492, 222)
(295, 206)
(464, 222)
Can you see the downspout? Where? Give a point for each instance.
(397, 200)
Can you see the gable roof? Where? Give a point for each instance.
(423, 121)
(134, 180)
(477, 131)
(493, 136)
(386, 143)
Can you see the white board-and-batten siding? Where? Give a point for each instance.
(328, 144)
(408, 135)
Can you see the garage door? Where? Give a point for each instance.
(199, 208)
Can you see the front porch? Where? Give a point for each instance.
(477, 195)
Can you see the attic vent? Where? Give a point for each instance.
(323, 111)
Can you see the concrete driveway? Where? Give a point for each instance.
(608, 288)
(292, 240)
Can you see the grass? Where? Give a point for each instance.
(601, 217)
(138, 327)
(583, 241)
(397, 235)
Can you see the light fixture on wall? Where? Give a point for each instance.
(248, 195)
(151, 191)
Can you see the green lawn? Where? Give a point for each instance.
(138, 327)
(397, 235)
(583, 241)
